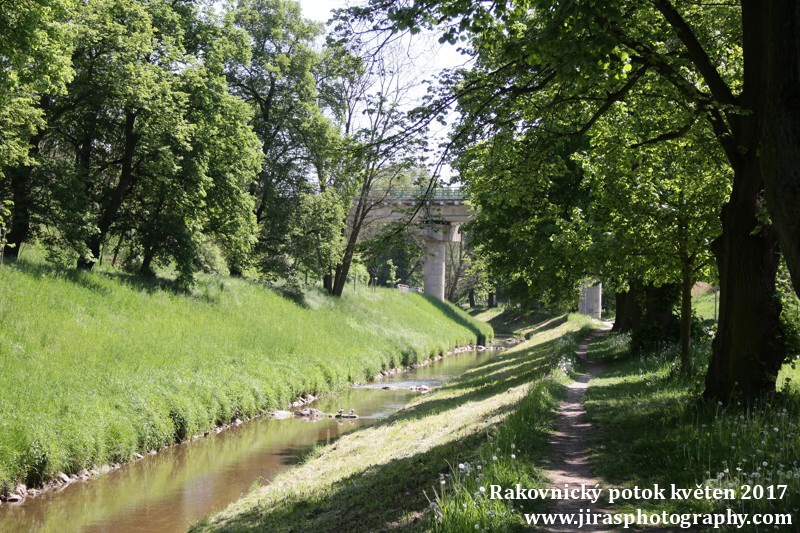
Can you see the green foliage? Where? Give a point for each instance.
(316, 232)
(100, 366)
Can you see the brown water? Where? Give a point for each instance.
(169, 491)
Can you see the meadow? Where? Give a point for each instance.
(99, 367)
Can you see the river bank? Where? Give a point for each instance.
(102, 368)
(386, 475)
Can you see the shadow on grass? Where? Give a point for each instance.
(89, 280)
(391, 494)
(456, 317)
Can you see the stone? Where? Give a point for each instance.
(13, 498)
(281, 415)
(63, 477)
(309, 413)
(138, 456)
(21, 489)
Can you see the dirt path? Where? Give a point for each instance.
(569, 455)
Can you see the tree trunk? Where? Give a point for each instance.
(773, 29)
(492, 300)
(23, 203)
(327, 281)
(20, 211)
(660, 304)
(629, 309)
(471, 297)
(118, 196)
(687, 282)
(749, 348)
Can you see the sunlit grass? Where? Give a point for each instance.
(97, 367)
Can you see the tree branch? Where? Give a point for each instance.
(697, 54)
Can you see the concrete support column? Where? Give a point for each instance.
(591, 300)
(433, 274)
(436, 237)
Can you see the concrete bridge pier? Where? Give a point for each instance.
(436, 237)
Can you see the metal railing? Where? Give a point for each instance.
(443, 193)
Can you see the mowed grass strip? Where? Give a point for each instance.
(97, 367)
(385, 476)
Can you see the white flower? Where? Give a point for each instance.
(513, 456)
(482, 489)
(494, 458)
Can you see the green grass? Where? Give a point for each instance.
(386, 476)
(519, 322)
(100, 366)
(656, 430)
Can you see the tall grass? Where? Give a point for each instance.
(97, 367)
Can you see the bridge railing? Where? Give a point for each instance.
(443, 193)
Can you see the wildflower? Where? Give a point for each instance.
(513, 456)
(483, 490)
(434, 505)
(512, 446)
(461, 466)
(494, 458)
(442, 481)
(765, 463)
(477, 527)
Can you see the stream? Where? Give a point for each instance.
(184, 483)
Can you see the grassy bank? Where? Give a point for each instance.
(656, 430)
(100, 366)
(388, 475)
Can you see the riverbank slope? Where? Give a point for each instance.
(100, 367)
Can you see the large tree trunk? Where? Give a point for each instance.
(629, 308)
(20, 211)
(492, 299)
(471, 298)
(23, 203)
(749, 348)
(773, 29)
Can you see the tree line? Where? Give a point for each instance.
(648, 144)
(193, 135)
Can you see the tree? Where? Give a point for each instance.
(35, 45)
(725, 61)
(147, 143)
(279, 84)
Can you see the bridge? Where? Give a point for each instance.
(437, 219)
